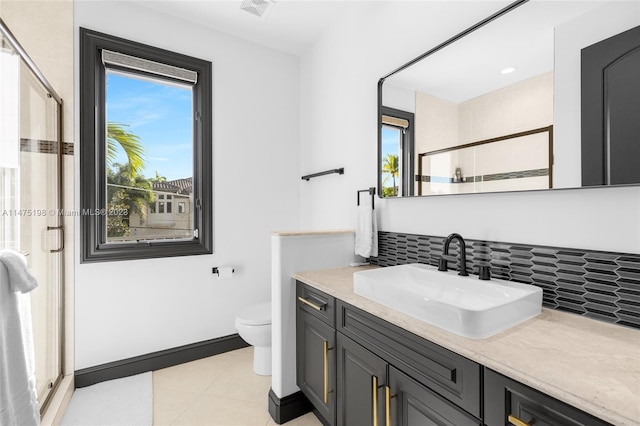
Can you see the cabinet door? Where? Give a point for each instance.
(315, 346)
(411, 404)
(361, 379)
(509, 402)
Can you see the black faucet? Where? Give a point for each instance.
(442, 263)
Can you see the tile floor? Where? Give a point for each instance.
(221, 390)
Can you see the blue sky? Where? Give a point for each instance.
(161, 115)
(390, 142)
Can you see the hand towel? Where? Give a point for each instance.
(366, 241)
(20, 279)
(18, 394)
(374, 239)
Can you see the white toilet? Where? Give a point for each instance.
(253, 324)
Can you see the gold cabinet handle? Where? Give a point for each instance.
(311, 304)
(374, 390)
(326, 372)
(388, 398)
(516, 421)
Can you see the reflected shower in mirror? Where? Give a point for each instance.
(498, 107)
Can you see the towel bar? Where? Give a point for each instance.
(339, 171)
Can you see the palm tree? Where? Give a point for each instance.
(391, 167)
(129, 193)
(158, 178)
(136, 192)
(131, 145)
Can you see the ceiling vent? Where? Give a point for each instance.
(259, 8)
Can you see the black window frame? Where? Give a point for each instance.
(94, 247)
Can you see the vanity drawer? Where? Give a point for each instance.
(447, 373)
(316, 303)
(509, 402)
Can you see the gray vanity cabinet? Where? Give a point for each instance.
(316, 343)
(354, 368)
(509, 402)
(359, 370)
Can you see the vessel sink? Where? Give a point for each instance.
(465, 306)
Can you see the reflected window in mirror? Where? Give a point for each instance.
(396, 155)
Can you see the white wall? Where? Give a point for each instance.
(339, 78)
(125, 309)
(338, 127)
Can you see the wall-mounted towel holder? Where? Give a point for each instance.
(372, 192)
(215, 270)
(339, 171)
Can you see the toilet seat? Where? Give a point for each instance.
(259, 314)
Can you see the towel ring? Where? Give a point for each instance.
(372, 192)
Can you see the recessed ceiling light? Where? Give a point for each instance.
(508, 70)
(259, 8)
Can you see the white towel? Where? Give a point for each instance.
(366, 244)
(20, 279)
(18, 394)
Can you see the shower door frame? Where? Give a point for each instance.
(24, 56)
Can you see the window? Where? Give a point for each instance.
(391, 154)
(396, 153)
(182, 207)
(145, 117)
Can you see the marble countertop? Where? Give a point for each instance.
(303, 233)
(592, 365)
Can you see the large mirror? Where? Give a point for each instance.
(508, 105)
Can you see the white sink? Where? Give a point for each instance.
(465, 306)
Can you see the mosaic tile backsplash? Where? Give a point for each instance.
(600, 285)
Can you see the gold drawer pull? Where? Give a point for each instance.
(516, 421)
(313, 305)
(374, 390)
(326, 372)
(388, 398)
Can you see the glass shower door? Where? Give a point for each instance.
(30, 199)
